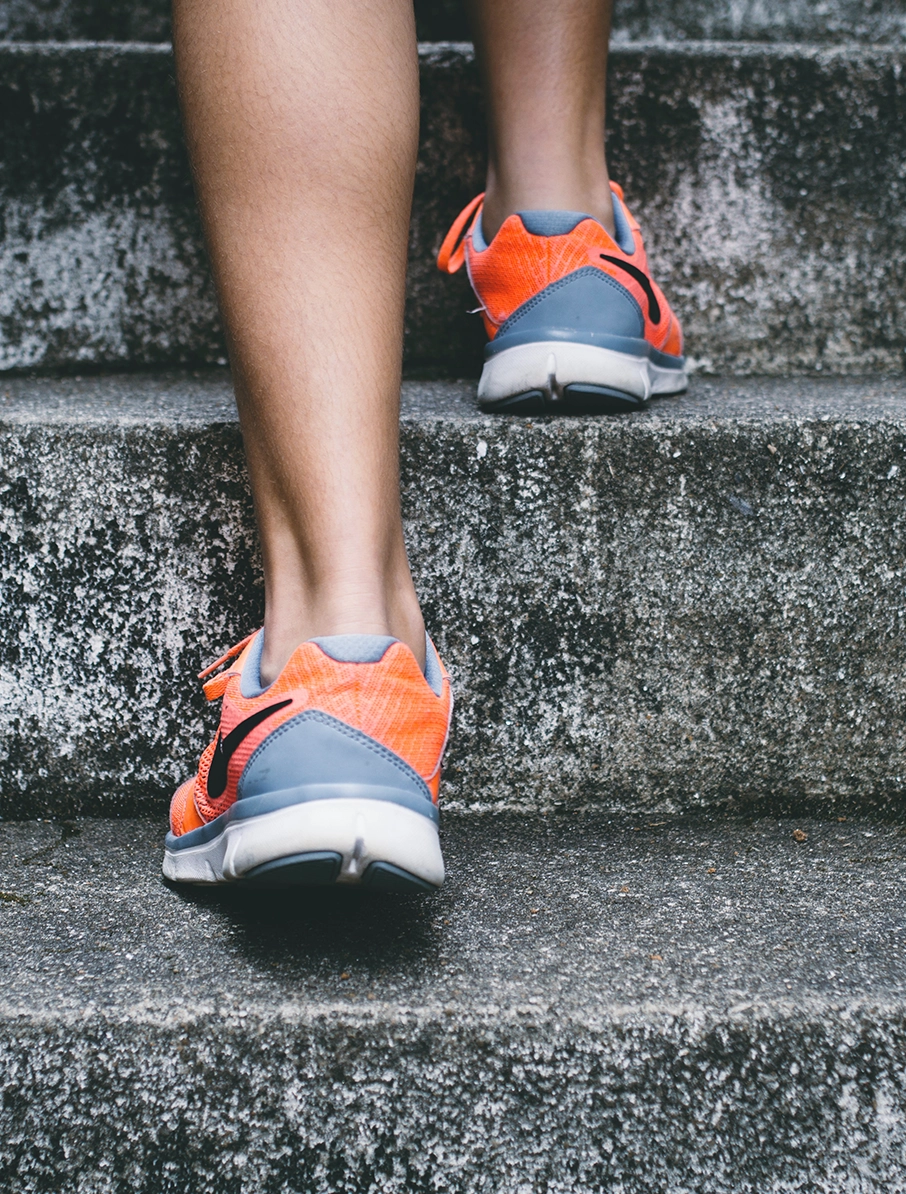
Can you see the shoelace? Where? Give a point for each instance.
(213, 689)
(453, 251)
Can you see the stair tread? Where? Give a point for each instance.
(186, 398)
(586, 1005)
(559, 918)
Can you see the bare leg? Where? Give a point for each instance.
(301, 118)
(544, 65)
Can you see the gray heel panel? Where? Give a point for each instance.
(584, 307)
(314, 749)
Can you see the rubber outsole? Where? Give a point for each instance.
(572, 400)
(322, 869)
(562, 377)
(317, 869)
(375, 843)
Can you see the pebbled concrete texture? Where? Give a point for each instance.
(699, 606)
(882, 22)
(102, 258)
(769, 181)
(878, 21)
(588, 1005)
(85, 20)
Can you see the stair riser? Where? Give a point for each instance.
(385, 1100)
(881, 22)
(769, 185)
(637, 615)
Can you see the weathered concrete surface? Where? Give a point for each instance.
(586, 1006)
(770, 183)
(85, 20)
(101, 256)
(699, 606)
(878, 21)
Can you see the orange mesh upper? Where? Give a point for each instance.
(390, 701)
(517, 265)
(184, 816)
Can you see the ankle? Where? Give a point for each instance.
(547, 194)
(385, 611)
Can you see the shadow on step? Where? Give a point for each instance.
(282, 928)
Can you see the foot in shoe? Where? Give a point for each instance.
(575, 321)
(329, 775)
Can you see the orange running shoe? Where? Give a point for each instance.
(329, 775)
(575, 320)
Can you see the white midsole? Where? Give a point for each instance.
(361, 830)
(550, 365)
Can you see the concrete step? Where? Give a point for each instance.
(702, 605)
(880, 22)
(769, 181)
(586, 1006)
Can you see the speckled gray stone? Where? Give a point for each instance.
(882, 22)
(878, 21)
(698, 606)
(586, 1006)
(769, 181)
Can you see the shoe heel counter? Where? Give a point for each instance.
(588, 306)
(315, 749)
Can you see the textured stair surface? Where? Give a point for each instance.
(700, 605)
(769, 181)
(880, 21)
(586, 1006)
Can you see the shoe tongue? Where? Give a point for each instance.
(355, 648)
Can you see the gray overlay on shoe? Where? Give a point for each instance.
(561, 223)
(479, 244)
(585, 306)
(538, 223)
(314, 748)
(250, 683)
(588, 306)
(433, 673)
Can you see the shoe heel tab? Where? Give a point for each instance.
(355, 648)
(552, 223)
(452, 253)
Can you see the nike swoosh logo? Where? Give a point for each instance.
(654, 307)
(226, 748)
